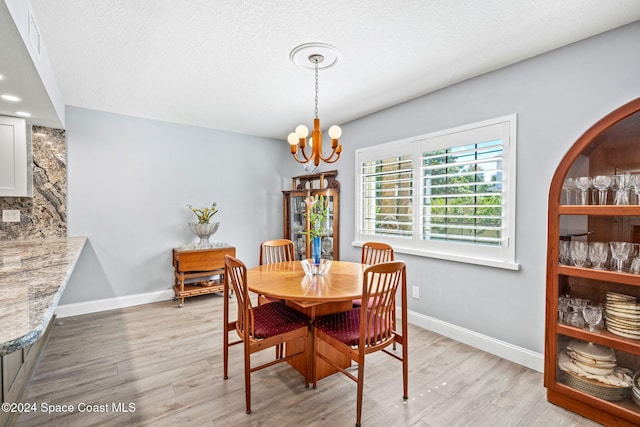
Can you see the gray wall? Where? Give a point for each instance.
(557, 96)
(130, 179)
(129, 183)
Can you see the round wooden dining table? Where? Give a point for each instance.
(314, 296)
(287, 280)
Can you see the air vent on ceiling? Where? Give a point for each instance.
(34, 33)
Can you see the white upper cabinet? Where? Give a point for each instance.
(16, 167)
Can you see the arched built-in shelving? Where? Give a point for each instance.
(610, 147)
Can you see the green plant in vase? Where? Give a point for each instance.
(204, 228)
(318, 213)
(204, 215)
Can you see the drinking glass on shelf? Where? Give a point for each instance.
(563, 307)
(575, 317)
(635, 184)
(635, 266)
(568, 186)
(623, 185)
(565, 252)
(620, 253)
(602, 183)
(579, 252)
(592, 315)
(583, 183)
(598, 254)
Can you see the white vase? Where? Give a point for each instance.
(204, 231)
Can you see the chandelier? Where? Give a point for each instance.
(298, 139)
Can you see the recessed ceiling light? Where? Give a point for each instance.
(11, 98)
(23, 114)
(2, 77)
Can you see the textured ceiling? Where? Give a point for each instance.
(225, 64)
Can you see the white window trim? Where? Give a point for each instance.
(503, 257)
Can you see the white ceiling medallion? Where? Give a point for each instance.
(300, 55)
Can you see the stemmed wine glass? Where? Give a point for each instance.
(575, 317)
(592, 315)
(579, 252)
(598, 254)
(622, 189)
(565, 252)
(635, 184)
(568, 186)
(620, 253)
(602, 183)
(583, 183)
(563, 307)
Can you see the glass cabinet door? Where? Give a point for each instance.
(296, 219)
(297, 213)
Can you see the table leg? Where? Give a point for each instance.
(324, 369)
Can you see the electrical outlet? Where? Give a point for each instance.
(415, 292)
(10, 215)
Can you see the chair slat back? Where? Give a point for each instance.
(278, 250)
(236, 276)
(375, 253)
(380, 284)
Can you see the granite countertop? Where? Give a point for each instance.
(33, 276)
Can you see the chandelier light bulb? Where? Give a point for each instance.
(292, 139)
(335, 132)
(302, 131)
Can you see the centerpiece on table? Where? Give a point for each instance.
(204, 228)
(318, 214)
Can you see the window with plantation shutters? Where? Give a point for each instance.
(387, 197)
(449, 194)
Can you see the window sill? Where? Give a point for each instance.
(507, 265)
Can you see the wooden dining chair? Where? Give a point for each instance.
(376, 252)
(272, 251)
(362, 331)
(261, 327)
(278, 250)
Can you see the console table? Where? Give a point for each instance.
(199, 264)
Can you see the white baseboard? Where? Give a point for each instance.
(510, 352)
(507, 351)
(76, 309)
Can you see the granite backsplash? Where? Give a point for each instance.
(44, 214)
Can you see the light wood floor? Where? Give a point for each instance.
(167, 362)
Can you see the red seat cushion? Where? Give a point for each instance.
(275, 318)
(358, 303)
(345, 326)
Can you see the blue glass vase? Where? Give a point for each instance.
(316, 249)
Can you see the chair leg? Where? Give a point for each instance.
(247, 377)
(360, 392)
(314, 362)
(307, 368)
(405, 369)
(225, 338)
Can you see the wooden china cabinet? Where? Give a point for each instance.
(296, 220)
(610, 147)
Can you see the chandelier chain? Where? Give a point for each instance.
(317, 86)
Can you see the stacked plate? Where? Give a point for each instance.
(635, 388)
(622, 315)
